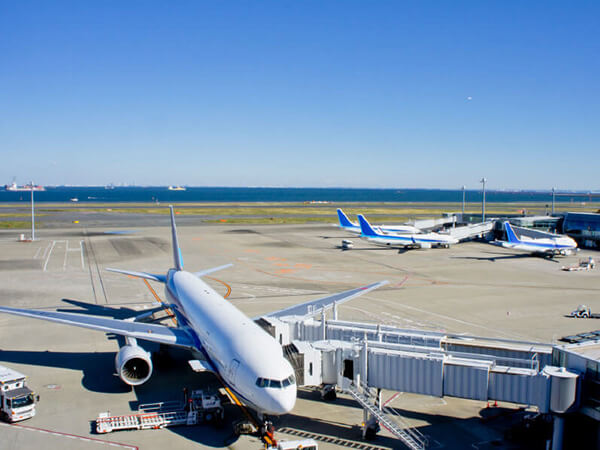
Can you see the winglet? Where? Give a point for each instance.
(177, 258)
(344, 221)
(510, 234)
(365, 227)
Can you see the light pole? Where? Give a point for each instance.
(32, 216)
(463, 204)
(483, 180)
(553, 199)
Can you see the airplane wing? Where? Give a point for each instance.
(313, 307)
(149, 332)
(146, 275)
(209, 271)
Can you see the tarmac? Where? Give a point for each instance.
(472, 288)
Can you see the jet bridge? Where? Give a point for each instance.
(360, 356)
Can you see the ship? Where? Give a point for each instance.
(176, 188)
(12, 187)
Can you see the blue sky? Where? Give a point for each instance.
(301, 93)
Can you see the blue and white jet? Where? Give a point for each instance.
(221, 337)
(347, 225)
(409, 240)
(552, 245)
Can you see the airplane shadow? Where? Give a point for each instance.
(97, 368)
(99, 310)
(170, 376)
(502, 256)
(400, 250)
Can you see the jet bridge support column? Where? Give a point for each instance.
(563, 395)
(364, 361)
(323, 325)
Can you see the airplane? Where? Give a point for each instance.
(352, 227)
(224, 340)
(411, 240)
(554, 244)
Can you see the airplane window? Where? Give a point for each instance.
(275, 384)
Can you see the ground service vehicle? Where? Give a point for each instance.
(584, 312)
(17, 401)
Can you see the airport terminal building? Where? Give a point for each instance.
(583, 227)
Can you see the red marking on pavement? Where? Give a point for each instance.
(389, 400)
(83, 438)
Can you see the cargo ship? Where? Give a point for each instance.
(28, 187)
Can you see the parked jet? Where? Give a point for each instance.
(352, 227)
(412, 240)
(227, 342)
(554, 244)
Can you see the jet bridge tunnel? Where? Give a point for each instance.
(347, 354)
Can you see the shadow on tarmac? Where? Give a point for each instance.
(170, 376)
(99, 310)
(503, 256)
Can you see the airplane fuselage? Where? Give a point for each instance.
(412, 240)
(247, 358)
(560, 245)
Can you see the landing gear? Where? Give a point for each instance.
(267, 431)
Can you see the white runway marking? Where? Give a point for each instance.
(37, 253)
(66, 253)
(463, 322)
(46, 250)
(49, 253)
(81, 250)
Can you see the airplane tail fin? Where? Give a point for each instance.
(177, 258)
(510, 233)
(344, 221)
(365, 227)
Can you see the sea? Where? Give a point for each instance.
(153, 194)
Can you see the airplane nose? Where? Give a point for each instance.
(283, 402)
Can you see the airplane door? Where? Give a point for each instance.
(233, 368)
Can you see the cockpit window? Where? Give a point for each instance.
(275, 384)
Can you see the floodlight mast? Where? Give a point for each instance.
(32, 216)
(483, 180)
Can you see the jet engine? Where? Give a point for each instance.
(133, 364)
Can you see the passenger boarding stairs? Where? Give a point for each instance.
(152, 416)
(387, 417)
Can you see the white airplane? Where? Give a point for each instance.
(554, 244)
(227, 342)
(352, 227)
(412, 240)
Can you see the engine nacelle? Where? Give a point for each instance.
(133, 364)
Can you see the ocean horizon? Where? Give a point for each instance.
(153, 194)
